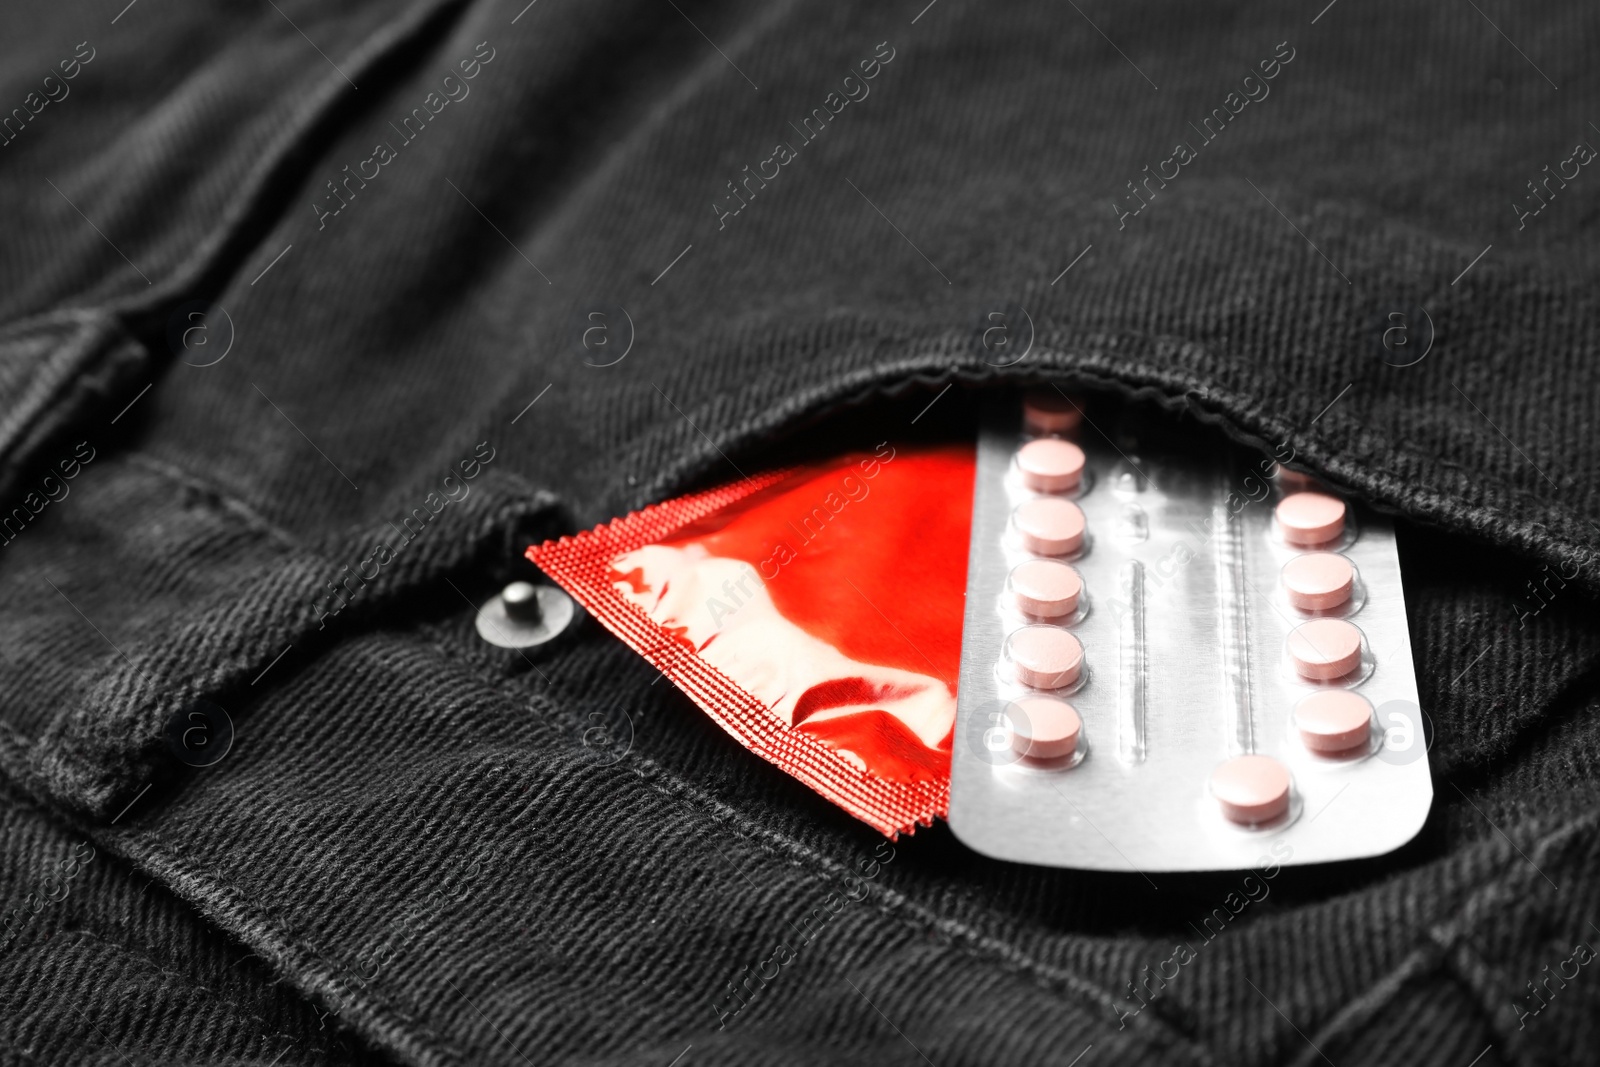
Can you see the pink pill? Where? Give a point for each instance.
(1050, 465)
(1050, 526)
(1044, 728)
(1323, 649)
(1045, 587)
(1292, 481)
(1334, 721)
(1317, 581)
(1310, 518)
(1044, 657)
(1050, 413)
(1251, 789)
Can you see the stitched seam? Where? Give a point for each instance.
(829, 393)
(1007, 958)
(970, 942)
(146, 953)
(217, 499)
(1443, 938)
(293, 939)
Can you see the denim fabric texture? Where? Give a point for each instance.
(277, 277)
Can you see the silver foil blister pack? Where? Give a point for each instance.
(1175, 652)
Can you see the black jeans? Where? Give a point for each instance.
(272, 272)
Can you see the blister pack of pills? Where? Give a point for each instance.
(1172, 655)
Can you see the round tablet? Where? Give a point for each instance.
(1050, 413)
(1317, 581)
(1050, 465)
(1045, 587)
(1325, 648)
(1334, 721)
(1251, 789)
(1310, 518)
(1050, 526)
(1044, 657)
(1292, 481)
(1044, 728)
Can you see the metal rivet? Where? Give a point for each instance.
(522, 601)
(523, 615)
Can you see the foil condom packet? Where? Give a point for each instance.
(815, 613)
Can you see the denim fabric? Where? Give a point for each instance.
(276, 277)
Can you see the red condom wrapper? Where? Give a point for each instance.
(814, 612)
